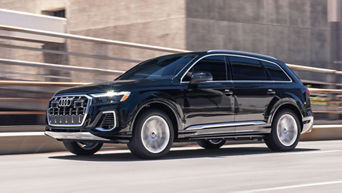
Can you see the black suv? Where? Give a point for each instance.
(206, 97)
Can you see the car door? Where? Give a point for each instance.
(252, 90)
(210, 102)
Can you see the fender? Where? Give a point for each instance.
(158, 100)
(282, 102)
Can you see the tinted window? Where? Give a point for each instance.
(247, 69)
(275, 72)
(164, 67)
(216, 65)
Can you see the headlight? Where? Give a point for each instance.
(113, 96)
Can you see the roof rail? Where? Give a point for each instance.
(243, 52)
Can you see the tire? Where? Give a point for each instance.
(285, 133)
(153, 135)
(211, 143)
(82, 148)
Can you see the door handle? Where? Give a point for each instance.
(228, 92)
(270, 91)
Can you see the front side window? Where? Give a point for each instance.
(247, 69)
(215, 65)
(275, 72)
(164, 67)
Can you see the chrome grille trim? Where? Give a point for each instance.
(85, 113)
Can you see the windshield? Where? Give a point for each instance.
(164, 67)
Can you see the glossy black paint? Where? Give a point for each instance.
(190, 105)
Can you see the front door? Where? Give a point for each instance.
(209, 104)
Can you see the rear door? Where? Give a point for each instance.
(252, 90)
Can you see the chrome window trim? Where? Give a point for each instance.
(234, 55)
(70, 125)
(114, 125)
(228, 124)
(196, 63)
(242, 52)
(196, 55)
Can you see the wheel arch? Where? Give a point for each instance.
(285, 104)
(163, 106)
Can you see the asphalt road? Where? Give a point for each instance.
(312, 167)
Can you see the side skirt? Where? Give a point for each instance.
(245, 129)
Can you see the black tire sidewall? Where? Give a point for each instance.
(273, 140)
(74, 148)
(136, 145)
(206, 144)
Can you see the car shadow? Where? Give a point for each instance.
(181, 154)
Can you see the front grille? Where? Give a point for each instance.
(68, 110)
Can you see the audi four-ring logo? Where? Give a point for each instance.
(64, 102)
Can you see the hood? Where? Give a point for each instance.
(118, 85)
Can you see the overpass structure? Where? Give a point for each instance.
(27, 85)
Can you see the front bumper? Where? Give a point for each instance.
(307, 124)
(86, 136)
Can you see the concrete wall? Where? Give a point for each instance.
(36, 7)
(150, 22)
(295, 31)
(32, 6)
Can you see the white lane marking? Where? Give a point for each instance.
(21, 134)
(292, 186)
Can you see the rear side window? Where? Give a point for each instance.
(275, 72)
(216, 65)
(247, 69)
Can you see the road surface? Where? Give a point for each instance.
(313, 167)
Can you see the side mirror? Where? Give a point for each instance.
(199, 77)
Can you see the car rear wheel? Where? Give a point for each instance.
(285, 131)
(82, 147)
(211, 143)
(152, 136)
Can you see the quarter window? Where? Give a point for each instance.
(247, 69)
(275, 72)
(216, 65)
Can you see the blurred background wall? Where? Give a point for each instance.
(294, 31)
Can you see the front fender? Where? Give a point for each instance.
(157, 98)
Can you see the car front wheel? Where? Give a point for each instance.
(82, 147)
(152, 136)
(285, 131)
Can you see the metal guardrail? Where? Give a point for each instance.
(43, 84)
(90, 39)
(44, 50)
(313, 69)
(22, 112)
(59, 66)
(322, 90)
